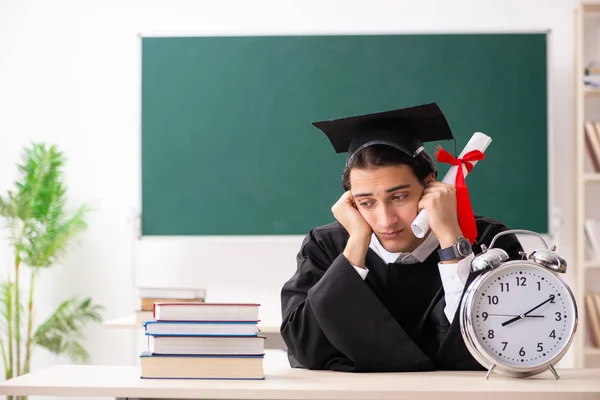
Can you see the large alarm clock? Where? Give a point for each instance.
(518, 317)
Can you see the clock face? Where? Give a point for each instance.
(523, 315)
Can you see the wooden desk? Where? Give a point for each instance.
(271, 333)
(283, 382)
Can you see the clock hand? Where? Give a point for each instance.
(510, 321)
(514, 315)
(518, 317)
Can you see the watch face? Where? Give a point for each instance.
(521, 316)
(464, 247)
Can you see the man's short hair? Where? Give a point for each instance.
(380, 155)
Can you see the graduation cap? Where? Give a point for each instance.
(405, 129)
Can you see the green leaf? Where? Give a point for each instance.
(6, 304)
(48, 246)
(40, 227)
(7, 307)
(60, 334)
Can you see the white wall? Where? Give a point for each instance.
(69, 74)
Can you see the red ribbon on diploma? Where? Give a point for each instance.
(466, 219)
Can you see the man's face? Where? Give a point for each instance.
(387, 198)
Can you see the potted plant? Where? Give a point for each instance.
(39, 229)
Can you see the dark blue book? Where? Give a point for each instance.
(198, 328)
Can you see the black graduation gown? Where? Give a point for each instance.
(393, 321)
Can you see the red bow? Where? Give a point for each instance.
(466, 218)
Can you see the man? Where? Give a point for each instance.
(367, 294)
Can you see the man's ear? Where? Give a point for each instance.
(429, 178)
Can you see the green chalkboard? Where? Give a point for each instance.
(227, 145)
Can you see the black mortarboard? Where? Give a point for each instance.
(405, 129)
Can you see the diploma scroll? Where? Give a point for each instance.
(478, 141)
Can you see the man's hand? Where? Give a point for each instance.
(345, 211)
(439, 199)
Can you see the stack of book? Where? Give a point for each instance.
(150, 295)
(203, 341)
(592, 74)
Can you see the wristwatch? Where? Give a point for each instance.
(461, 249)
